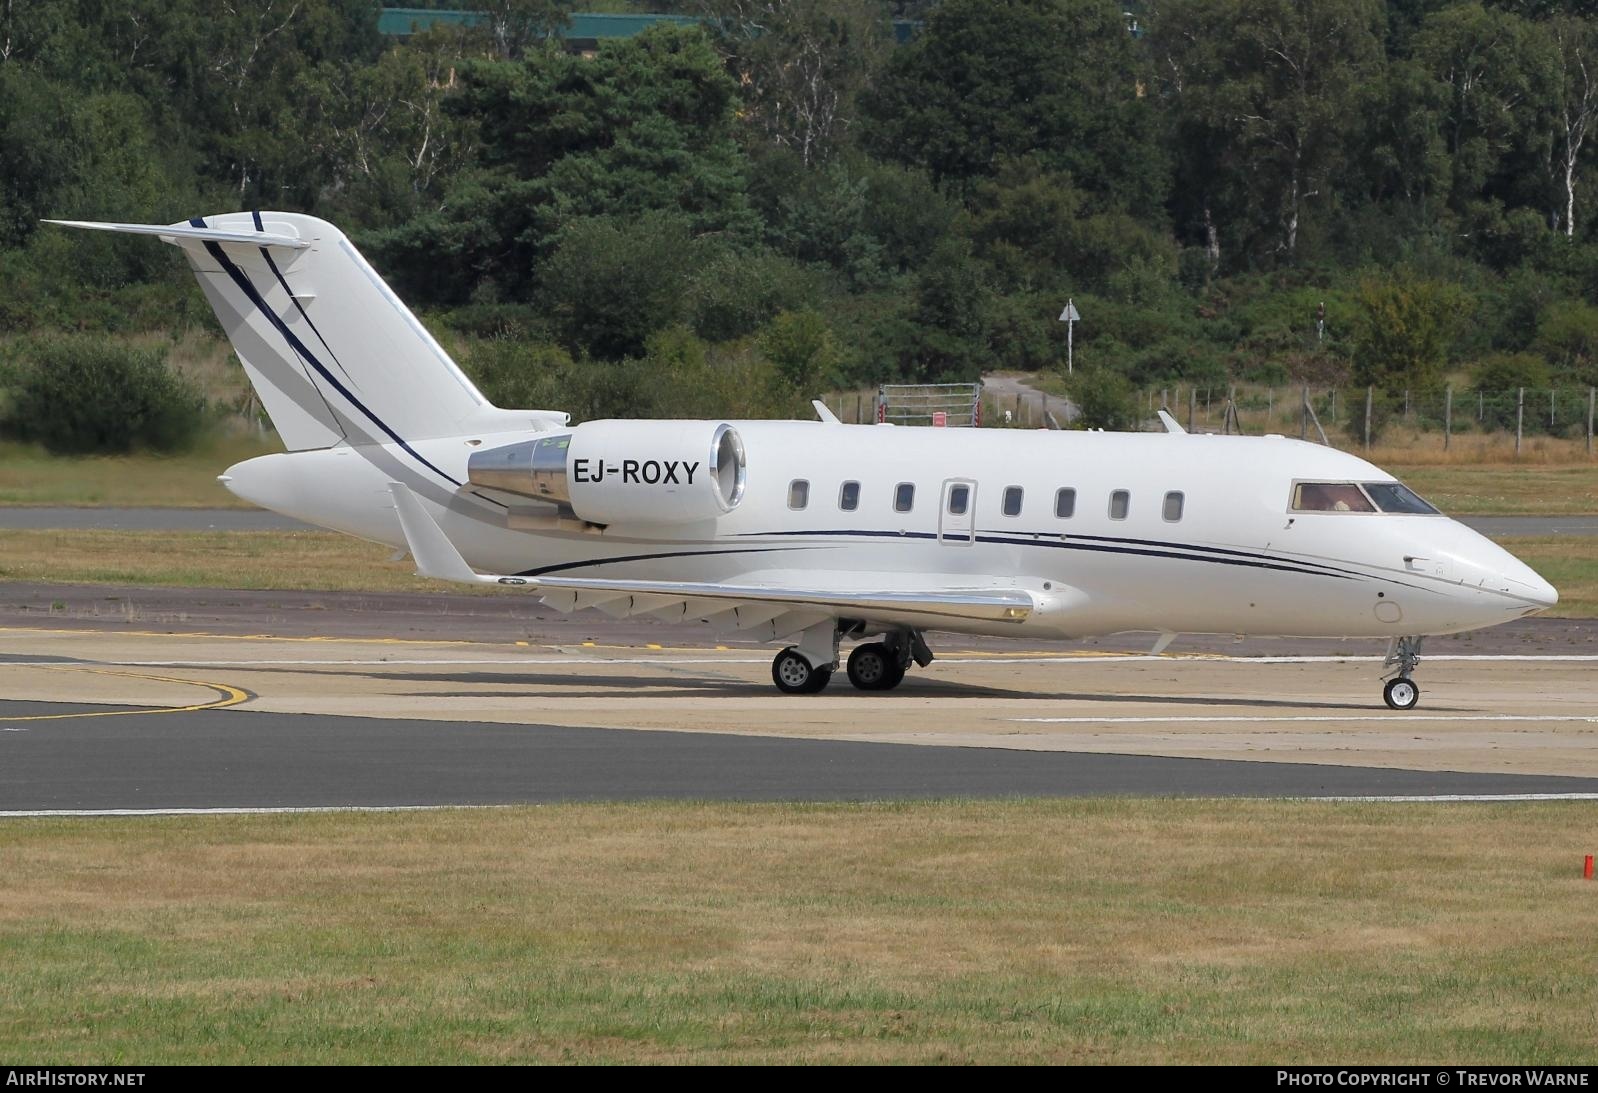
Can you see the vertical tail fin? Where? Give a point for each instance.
(332, 352)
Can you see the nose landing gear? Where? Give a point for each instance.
(1403, 656)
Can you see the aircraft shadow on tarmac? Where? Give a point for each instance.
(588, 685)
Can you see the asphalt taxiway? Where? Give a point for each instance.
(106, 715)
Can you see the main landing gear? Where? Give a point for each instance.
(1403, 655)
(807, 668)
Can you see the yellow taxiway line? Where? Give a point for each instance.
(228, 695)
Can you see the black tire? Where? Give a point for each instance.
(1401, 693)
(875, 667)
(793, 674)
(870, 665)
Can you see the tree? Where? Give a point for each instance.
(1270, 95)
(1576, 41)
(801, 64)
(379, 135)
(989, 80)
(800, 346)
(645, 127)
(515, 25)
(1403, 332)
(611, 282)
(1499, 77)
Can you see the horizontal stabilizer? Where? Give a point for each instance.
(172, 232)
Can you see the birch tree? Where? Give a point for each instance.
(1577, 107)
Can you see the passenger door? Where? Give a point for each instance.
(957, 512)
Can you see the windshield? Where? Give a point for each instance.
(1358, 497)
(1397, 497)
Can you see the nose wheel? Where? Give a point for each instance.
(1403, 657)
(1401, 693)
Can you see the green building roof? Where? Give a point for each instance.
(594, 26)
(405, 21)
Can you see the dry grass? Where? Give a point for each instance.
(1100, 931)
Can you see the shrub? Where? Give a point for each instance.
(1104, 399)
(83, 395)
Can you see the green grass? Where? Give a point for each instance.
(1099, 931)
(310, 561)
(1504, 489)
(1568, 562)
(31, 476)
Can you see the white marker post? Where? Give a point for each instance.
(1070, 317)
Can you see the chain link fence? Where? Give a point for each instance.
(1366, 417)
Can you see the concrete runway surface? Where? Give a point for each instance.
(110, 715)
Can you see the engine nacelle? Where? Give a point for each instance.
(624, 472)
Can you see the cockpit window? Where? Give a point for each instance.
(1330, 497)
(1397, 497)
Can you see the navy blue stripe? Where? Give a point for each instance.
(1109, 548)
(255, 214)
(1170, 551)
(271, 264)
(248, 288)
(543, 571)
(1047, 537)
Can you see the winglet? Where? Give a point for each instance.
(1170, 423)
(171, 232)
(823, 413)
(435, 555)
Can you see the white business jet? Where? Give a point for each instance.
(807, 533)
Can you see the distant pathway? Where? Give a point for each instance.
(1006, 388)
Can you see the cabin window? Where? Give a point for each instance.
(849, 496)
(1065, 503)
(1397, 497)
(1172, 510)
(1120, 504)
(1012, 501)
(798, 493)
(904, 497)
(959, 500)
(1330, 497)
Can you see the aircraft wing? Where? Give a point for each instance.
(771, 611)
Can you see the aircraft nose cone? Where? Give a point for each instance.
(1489, 566)
(1539, 591)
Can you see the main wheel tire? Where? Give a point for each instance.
(793, 674)
(871, 666)
(1401, 693)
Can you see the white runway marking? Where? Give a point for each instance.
(1276, 719)
(265, 810)
(1063, 658)
(1445, 798)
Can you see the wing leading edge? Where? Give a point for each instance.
(776, 611)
